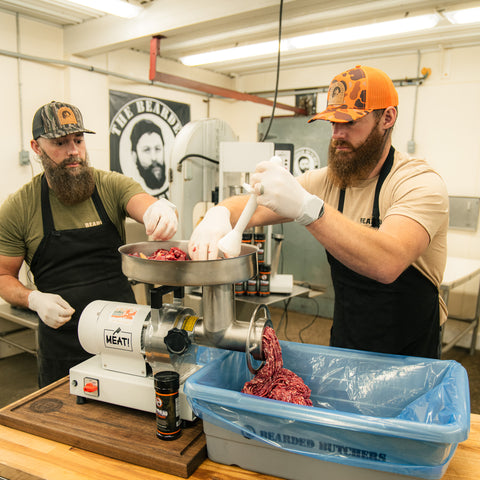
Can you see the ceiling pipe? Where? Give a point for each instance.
(154, 75)
(402, 82)
(92, 69)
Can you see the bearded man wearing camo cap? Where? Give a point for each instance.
(67, 224)
(381, 215)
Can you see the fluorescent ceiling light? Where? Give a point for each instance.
(460, 17)
(363, 32)
(120, 8)
(235, 53)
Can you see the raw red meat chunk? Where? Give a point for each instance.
(274, 381)
(174, 254)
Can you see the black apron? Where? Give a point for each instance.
(398, 318)
(80, 265)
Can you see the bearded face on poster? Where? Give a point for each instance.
(142, 134)
(148, 153)
(143, 152)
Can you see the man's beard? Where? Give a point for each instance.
(71, 185)
(347, 168)
(153, 180)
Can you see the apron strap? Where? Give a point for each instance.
(341, 200)
(102, 213)
(385, 170)
(47, 217)
(386, 167)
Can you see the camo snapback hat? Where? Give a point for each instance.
(57, 119)
(358, 91)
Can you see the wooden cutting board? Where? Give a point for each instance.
(110, 430)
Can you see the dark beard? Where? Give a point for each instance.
(151, 180)
(346, 168)
(70, 187)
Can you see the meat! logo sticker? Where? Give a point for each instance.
(118, 339)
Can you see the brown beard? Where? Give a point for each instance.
(71, 187)
(152, 180)
(347, 168)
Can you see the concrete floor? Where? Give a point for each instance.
(18, 373)
(18, 377)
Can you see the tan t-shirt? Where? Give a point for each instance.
(412, 189)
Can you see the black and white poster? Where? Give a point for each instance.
(305, 159)
(142, 132)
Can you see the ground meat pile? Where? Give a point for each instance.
(174, 254)
(274, 381)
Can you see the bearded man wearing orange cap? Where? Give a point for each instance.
(381, 215)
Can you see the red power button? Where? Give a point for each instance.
(91, 386)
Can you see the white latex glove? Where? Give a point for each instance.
(203, 244)
(278, 190)
(160, 220)
(53, 310)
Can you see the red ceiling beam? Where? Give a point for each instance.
(205, 87)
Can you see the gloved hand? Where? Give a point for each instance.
(203, 244)
(160, 220)
(278, 190)
(53, 310)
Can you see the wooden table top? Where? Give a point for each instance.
(31, 457)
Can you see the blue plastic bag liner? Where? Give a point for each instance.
(385, 412)
(205, 355)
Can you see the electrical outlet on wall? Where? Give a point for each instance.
(24, 157)
(411, 146)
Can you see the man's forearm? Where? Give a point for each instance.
(262, 215)
(378, 254)
(13, 291)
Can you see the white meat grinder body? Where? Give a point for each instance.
(132, 342)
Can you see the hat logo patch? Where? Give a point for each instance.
(66, 116)
(336, 93)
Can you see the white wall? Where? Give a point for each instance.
(41, 82)
(446, 128)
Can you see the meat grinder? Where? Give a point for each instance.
(132, 342)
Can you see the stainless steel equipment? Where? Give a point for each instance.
(131, 342)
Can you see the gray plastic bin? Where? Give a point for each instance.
(386, 413)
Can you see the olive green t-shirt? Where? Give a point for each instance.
(21, 227)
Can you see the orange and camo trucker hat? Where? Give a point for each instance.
(356, 92)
